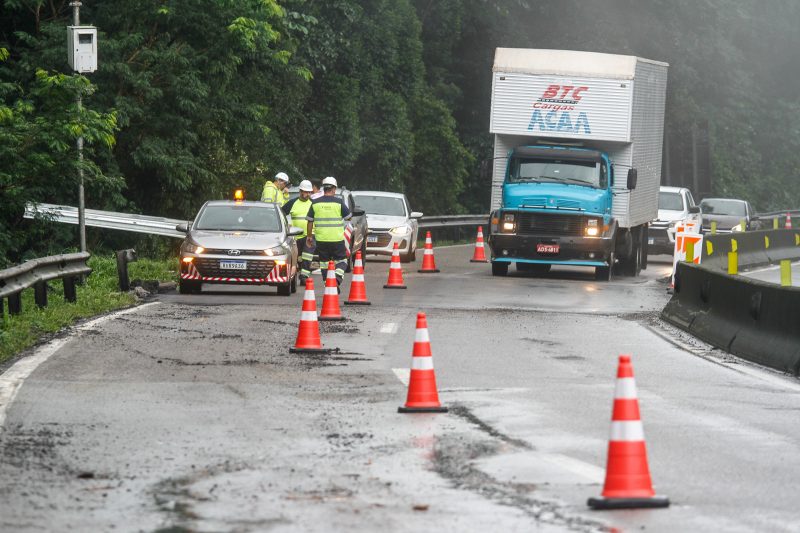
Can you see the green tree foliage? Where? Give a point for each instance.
(193, 97)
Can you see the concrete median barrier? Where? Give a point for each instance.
(752, 319)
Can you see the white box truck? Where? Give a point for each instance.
(577, 159)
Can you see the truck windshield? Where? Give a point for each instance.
(239, 218)
(587, 173)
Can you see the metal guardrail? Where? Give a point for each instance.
(446, 221)
(36, 273)
(166, 226)
(107, 219)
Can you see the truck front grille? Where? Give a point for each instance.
(547, 224)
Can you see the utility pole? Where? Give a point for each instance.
(76, 21)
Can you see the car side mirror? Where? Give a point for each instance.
(415, 214)
(183, 227)
(359, 212)
(694, 210)
(633, 177)
(295, 231)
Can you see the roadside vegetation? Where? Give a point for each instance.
(100, 294)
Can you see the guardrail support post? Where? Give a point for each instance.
(15, 303)
(123, 258)
(70, 295)
(40, 294)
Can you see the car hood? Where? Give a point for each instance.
(668, 215)
(723, 221)
(554, 196)
(384, 221)
(246, 240)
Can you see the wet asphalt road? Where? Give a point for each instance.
(772, 274)
(189, 414)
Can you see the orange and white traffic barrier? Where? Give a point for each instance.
(788, 223)
(358, 288)
(428, 262)
(479, 256)
(308, 340)
(330, 300)
(628, 483)
(395, 272)
(422, 394)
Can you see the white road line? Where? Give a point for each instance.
(586, 470)
(13, 378)
(403, 374)
(389, 327)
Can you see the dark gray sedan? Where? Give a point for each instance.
(730, 215)
(239, 242)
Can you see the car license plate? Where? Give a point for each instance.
(233, 265)
(372, 238)
(547, 248)
(651, 240)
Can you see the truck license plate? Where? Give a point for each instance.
(547, 248)
(651, 240)
(233, 265)
(372, 238)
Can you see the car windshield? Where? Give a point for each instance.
(381, 205)
(587, 173)
(239, 218)
(670, 201)
(724, 207)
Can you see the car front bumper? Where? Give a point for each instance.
(660, 240)
(381, 242)
(276, 270)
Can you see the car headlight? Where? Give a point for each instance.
(277, 250)
(400, 230)
(737, 227)
(192, 248)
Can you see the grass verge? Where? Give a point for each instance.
(100, 294)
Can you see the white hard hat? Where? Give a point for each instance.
(282, 176)
(305, 186)
(330, 180)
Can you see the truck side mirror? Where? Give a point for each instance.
(633, 177)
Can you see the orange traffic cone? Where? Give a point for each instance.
(479, 256)
(428, 262)
(422, 394)
(358, 289)
(788, 224)
(628, 482)
(330, 300)
(395, 272)
(308, 340)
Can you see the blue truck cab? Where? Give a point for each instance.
(556, 210)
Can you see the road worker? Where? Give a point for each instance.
(326, 220)
(276, 191)
(297, 209)
(316, 183)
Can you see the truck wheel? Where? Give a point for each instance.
(633, 265)
(645, 247)
(499, 269)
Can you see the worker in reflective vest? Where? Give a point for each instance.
(325, 230)
(276, 191)
(297, 210)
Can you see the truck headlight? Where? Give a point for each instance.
(509, 223)
(592, 228)
(400, 230)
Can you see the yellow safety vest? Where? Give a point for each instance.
(328, 222)
(298, 213)
(272, 194)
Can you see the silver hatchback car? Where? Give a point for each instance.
(238, 242)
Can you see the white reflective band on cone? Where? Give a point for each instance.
(422, 363)
(358, 277)
(308, 295)
(358, 263)
(428, 240)
(629, 431)
(422, 336)
(395, 265)
(625, 389)
(428, 251)
(308, 316)
(331, 290)
(331, 274)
